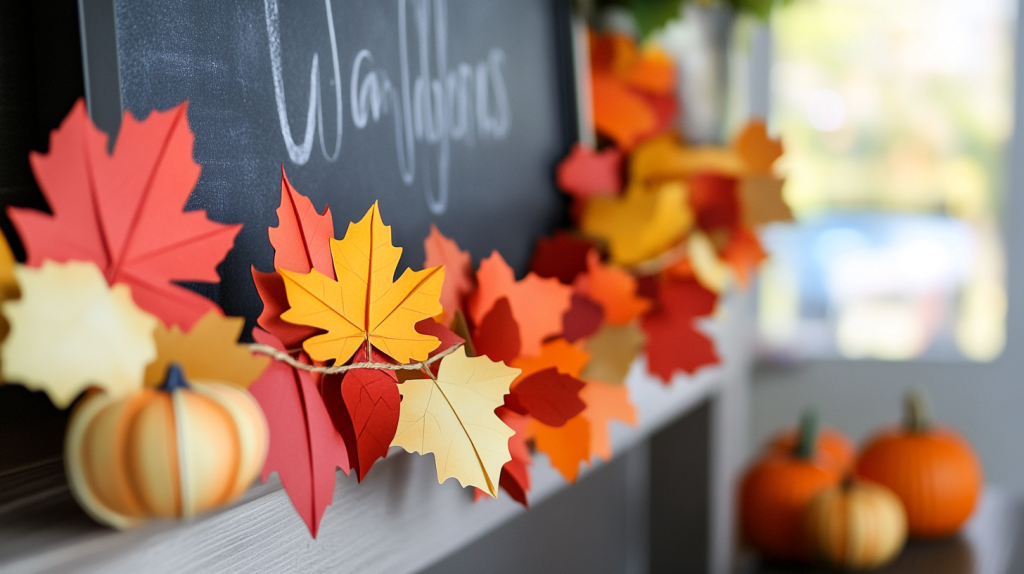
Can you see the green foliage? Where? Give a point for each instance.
(651, 15)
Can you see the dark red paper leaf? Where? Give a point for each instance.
(550, 397)
(714, 200)
(515, 475)
(562, 255)
(124, 211)
(587, 173)
(673, 341)
(497, 336)
(582, 320)
(305, 449)
(270, 287)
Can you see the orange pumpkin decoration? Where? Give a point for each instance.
(857, 526)
(932, 470)
(775, 492)
(835, 450)
(171, 452)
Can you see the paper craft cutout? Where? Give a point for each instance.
(70, 331)
(123, 212)
(537, 304)
(673, 341)
(208, 352)
(270, 287)
(604, 404)
(304, 448)
(586, 173)
(369, 410)
(562, 256)
(365, 303)
(497, 337)
(743, 254)
(614, 289)
(453, 417)
(757, 150)
(582, 320)
(709, 270)
(302, 237)
(515, 475)
(762, 201)
(566, 446)
(619, 113)
(569, 359)
(459, 280)
(613, 350)
(8, 283)
(641, 224)
(460, 327)
(550, 397)
(714, 200)
(447, 337)
(665, 157)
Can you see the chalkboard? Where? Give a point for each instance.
(447, 112)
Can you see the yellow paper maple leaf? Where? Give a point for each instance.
(453, 417)
(70, 331)
(365, 303)
(208, 353)
(641, 224)
(8, 284)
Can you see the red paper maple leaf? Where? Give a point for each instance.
(302, 242)
(305, 449)
(673, 341)
(548, 396)
(123, 211)
(562, 255)
(364, 405)
(586, 173)
(515, 475)
(497, 336)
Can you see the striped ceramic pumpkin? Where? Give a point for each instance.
(171, 452)
(857, 526)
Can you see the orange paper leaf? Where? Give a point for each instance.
(757, 150)
(458, 276)
(604, 404)
(613, 289)
(566, 446)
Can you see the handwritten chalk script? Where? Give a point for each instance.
(463, 102)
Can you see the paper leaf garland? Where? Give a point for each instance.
(744, 253)
(568, 358)
(302, 237)
(208, 352)
(613, 349)
(515, 475)
(70, 330)
(124, 212)
(8, 283)
(604, 404)
(613, 289)
(714, 201)
(537, 304)
(566, 446)
(371, 400)
(673, 341)
(762, 201)
(305, 449)
(550, 397)
(270, 287)
(365, 303)
(453, 417)
(665, 157)
(459, 280)
(757, 150)
(562, 255)
(497, 336)
(641, 224)
(582, 320)
(585, 173)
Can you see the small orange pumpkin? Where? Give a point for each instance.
(856, 526)
(835, 450)
(171, 452)
(932, 470)
(775, 492)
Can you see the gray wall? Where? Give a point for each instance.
(985, 401)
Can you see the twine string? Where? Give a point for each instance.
(286, 358)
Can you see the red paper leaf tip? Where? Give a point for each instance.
(585, 173)
(673, 341)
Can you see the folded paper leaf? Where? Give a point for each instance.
(71, 331)
(305, 449)
(566, 446)
(604, 404)
(302, 237)
(459, 280)
(641, 224)
(673, 341)
(124, 212)
(586, 173)
(537, 304)
(365, 303)
(568, 358)
(453, 417)
(270, 287)
(208, 352)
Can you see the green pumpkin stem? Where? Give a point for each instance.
(916, 417)
(807, 444)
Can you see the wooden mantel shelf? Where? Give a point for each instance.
(398, 520)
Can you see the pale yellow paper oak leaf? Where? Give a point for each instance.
(209, 352)
(453, 417)
(71, 331)
(365, 303)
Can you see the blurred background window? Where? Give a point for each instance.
(896, 117)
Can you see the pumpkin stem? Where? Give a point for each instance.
(916, 417)
(808, 443)
(175, 379)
